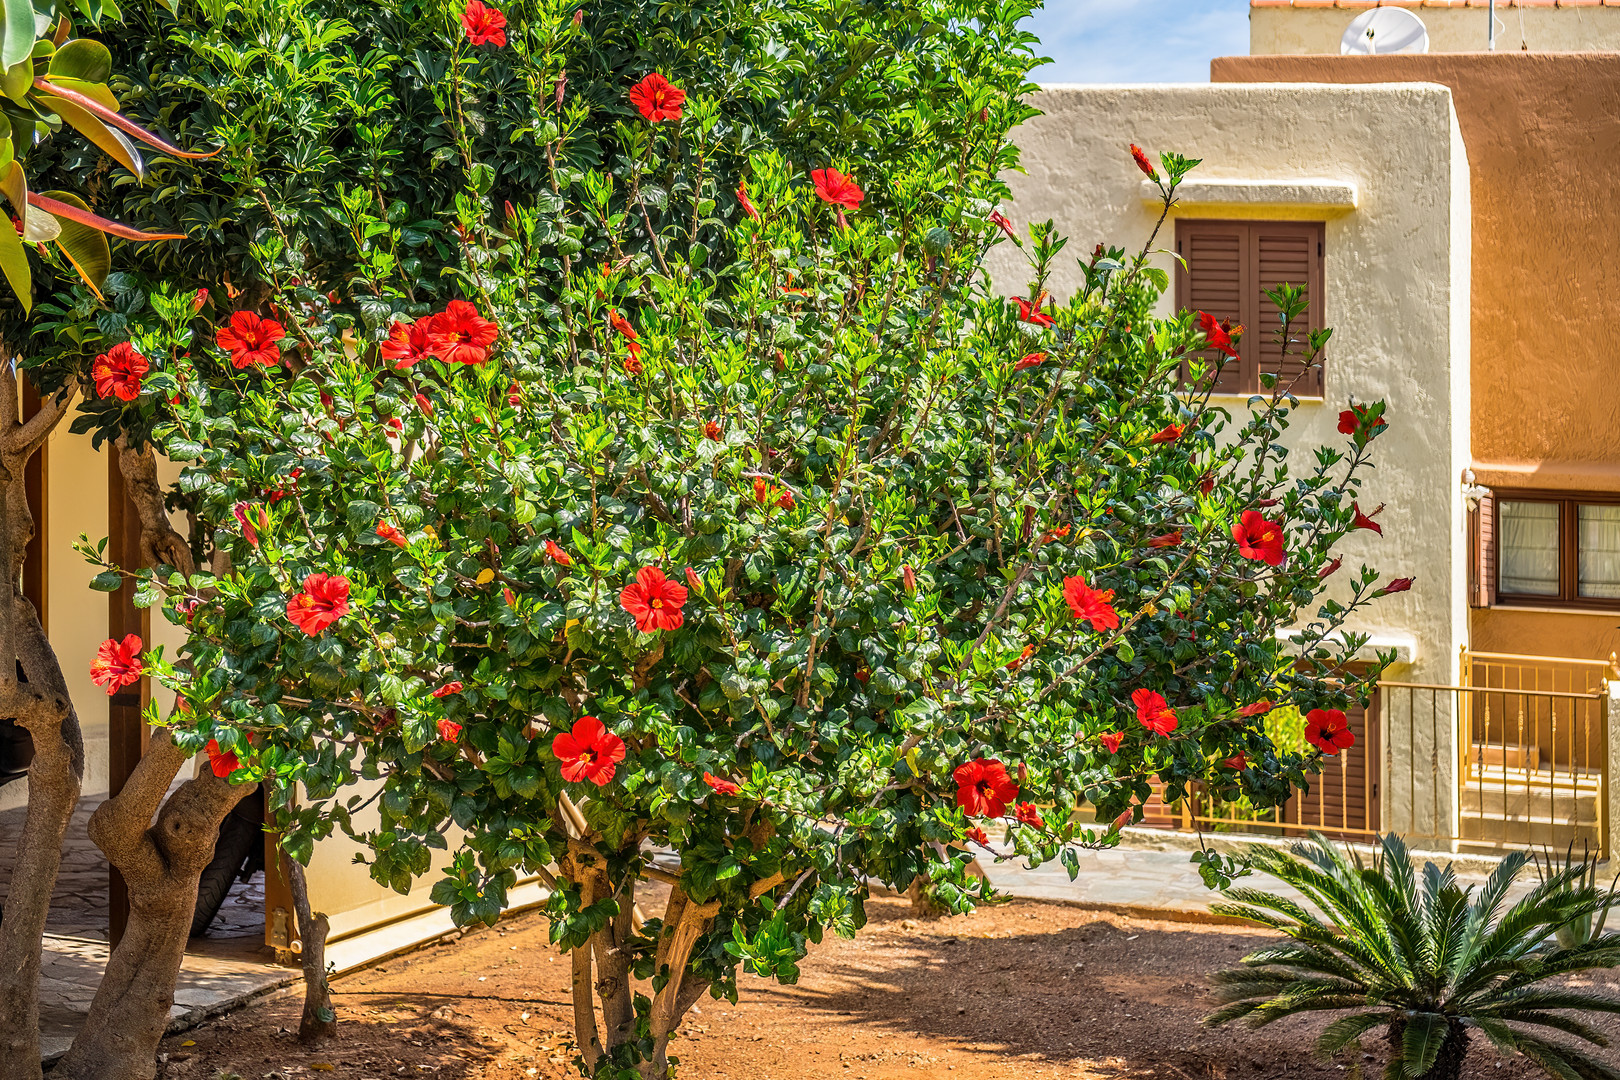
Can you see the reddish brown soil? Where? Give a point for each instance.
(1019, 991)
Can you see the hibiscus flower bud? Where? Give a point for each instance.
(579, 17)
(514, 395)
(240, 510)
(198, 300)
(1123, 820)
(559, 88)
(1330, 569)
(509, 596)
(909, 576)
(1400, 584)
(1144, 164)
(1023, 774)
(425, 405)
(692, 580)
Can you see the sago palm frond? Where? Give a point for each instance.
(1430, 959)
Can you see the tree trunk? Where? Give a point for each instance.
(161, 863)
(40, 703)
(319, 1021)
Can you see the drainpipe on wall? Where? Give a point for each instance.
(1490, 38)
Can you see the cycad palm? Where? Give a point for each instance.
(1426, 959)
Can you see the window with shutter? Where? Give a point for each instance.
(1548, 549)
(1482, 553)
(1226, 269)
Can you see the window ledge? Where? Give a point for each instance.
(1604, 612)
(1330, 197)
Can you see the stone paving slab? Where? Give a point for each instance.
(208, 985)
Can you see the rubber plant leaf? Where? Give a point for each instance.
(13, 256)
(18, 81)
(84, 59)
(113, 143)
(18, 41)
(115, 119)
(39, 226)
(96, 221)
(85, 246)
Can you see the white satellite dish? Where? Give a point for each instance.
(1382, 30)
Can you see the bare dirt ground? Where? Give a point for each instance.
(1023, 990)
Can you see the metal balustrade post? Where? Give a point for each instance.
(1609, 813)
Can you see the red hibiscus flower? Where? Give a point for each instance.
(722, 787)
(448, 688)
(1055, 534)
(1218, 334)
(1090, 604)
(1144, 164)
(1034, 359)
(977, 835)
(622, 325)
(1236, 761)
(589, 752)
(324, 600)
(1365, 521)
(1353, 421)
(1112, 740)
(1169, 539)
(1001, 221)
(222, 762)
(983, 788)
(1206, 483)
(449, 730)
(1026, 814)
(1400, 584)
(117, 664)
(1153, 712)
(459, 335)
(1168, 434)
(1031, 312)
(388, 532)
(251, 340)
(247, 516)
(484, 25)
(653, 601)
(407, 343)
(1258, 538)
(118, 372)
(743, 199)
(514, 395)
(1329, 731)
(557, 554)
(656, 99)
(1330, 569)
(711, 431)
(1018, 661)
(1259, 708)
(837, 189)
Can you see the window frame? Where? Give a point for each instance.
(1569, 504)
(1249, 315)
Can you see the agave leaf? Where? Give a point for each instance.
(116, 119)
(96, 221)
(85, 246)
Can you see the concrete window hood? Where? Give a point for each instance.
(1328, 198)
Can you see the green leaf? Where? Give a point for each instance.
(107, 581)
(115, 144)
(18, 42)
(86, 248)
(14, 261)
(1425, 1033)
(81, 58)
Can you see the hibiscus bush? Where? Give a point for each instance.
(729, 543)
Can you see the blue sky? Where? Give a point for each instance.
(1138, 40)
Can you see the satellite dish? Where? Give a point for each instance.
(1383, 30)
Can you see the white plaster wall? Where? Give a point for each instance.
(1396, 283)
(1451, 29)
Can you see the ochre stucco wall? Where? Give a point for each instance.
(1284, 28)
(1396, 281)
(1542, 134)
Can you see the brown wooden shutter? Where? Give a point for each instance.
(1215, 275)
(1482, 553)
(1286, 252)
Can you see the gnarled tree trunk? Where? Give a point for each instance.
(161, 862)
(39, 702)
(319, 1021)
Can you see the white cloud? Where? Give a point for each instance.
(1094, 41)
